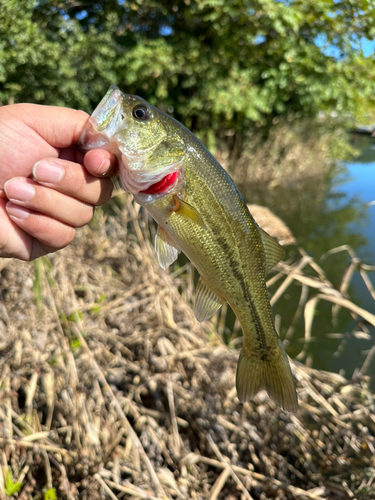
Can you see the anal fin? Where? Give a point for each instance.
(165, 249)
(206, 302)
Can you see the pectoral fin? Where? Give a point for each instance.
(207, 302)
(166, 252)
(272, 250)
(185, 210)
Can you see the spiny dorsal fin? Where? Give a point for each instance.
(206, 302)
(165, 249)
(185, 210)
(273, 251)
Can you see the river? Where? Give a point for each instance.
(360, 183)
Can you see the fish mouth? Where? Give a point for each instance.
(90, 139)
(103, 123)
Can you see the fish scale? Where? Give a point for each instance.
(200, 211)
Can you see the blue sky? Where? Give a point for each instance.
(368, 46)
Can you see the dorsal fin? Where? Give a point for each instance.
(273, 251)
(206, 302)
(166, 251)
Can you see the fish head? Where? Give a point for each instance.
(133, 129)
(126, 120)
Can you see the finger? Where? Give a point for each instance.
(29, 194)
(59, 126)
(101, 163)
(72, 179)
(49, 234)
(70, 154)
(14, 242)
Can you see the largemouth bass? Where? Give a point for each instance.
(199, 211)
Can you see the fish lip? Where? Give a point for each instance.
(82, 145)
(97, 133)
(86, 141)
(92, 139)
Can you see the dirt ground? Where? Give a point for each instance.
(109, 388)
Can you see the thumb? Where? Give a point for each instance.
(60, 127)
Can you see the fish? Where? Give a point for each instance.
(199, 211)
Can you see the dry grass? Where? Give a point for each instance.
(109, 388)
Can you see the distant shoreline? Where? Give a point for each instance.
(370, 130)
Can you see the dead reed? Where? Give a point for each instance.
(293, 152)
(109, 388)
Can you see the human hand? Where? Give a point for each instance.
(47, 188)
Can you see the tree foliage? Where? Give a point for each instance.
(215, 64)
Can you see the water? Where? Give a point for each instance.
(360, 183)
(323, 215)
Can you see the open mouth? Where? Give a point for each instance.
(163, 185)
(103, 123)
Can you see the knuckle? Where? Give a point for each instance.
(80, 185)
(64, 237)
(54, 233)
(76, 179)
(61, 239)
(68, 236)
(106, 188)
(44, 197)
(85, 216)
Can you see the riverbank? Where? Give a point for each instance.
(110, 387)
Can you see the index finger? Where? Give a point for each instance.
(72, 179)
(101, 163)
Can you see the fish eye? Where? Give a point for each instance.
(140, 112)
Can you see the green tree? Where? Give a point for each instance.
(43, 57)
(215, 64)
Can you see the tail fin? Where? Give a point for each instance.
(272, 374)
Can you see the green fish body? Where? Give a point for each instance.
(200, 211)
